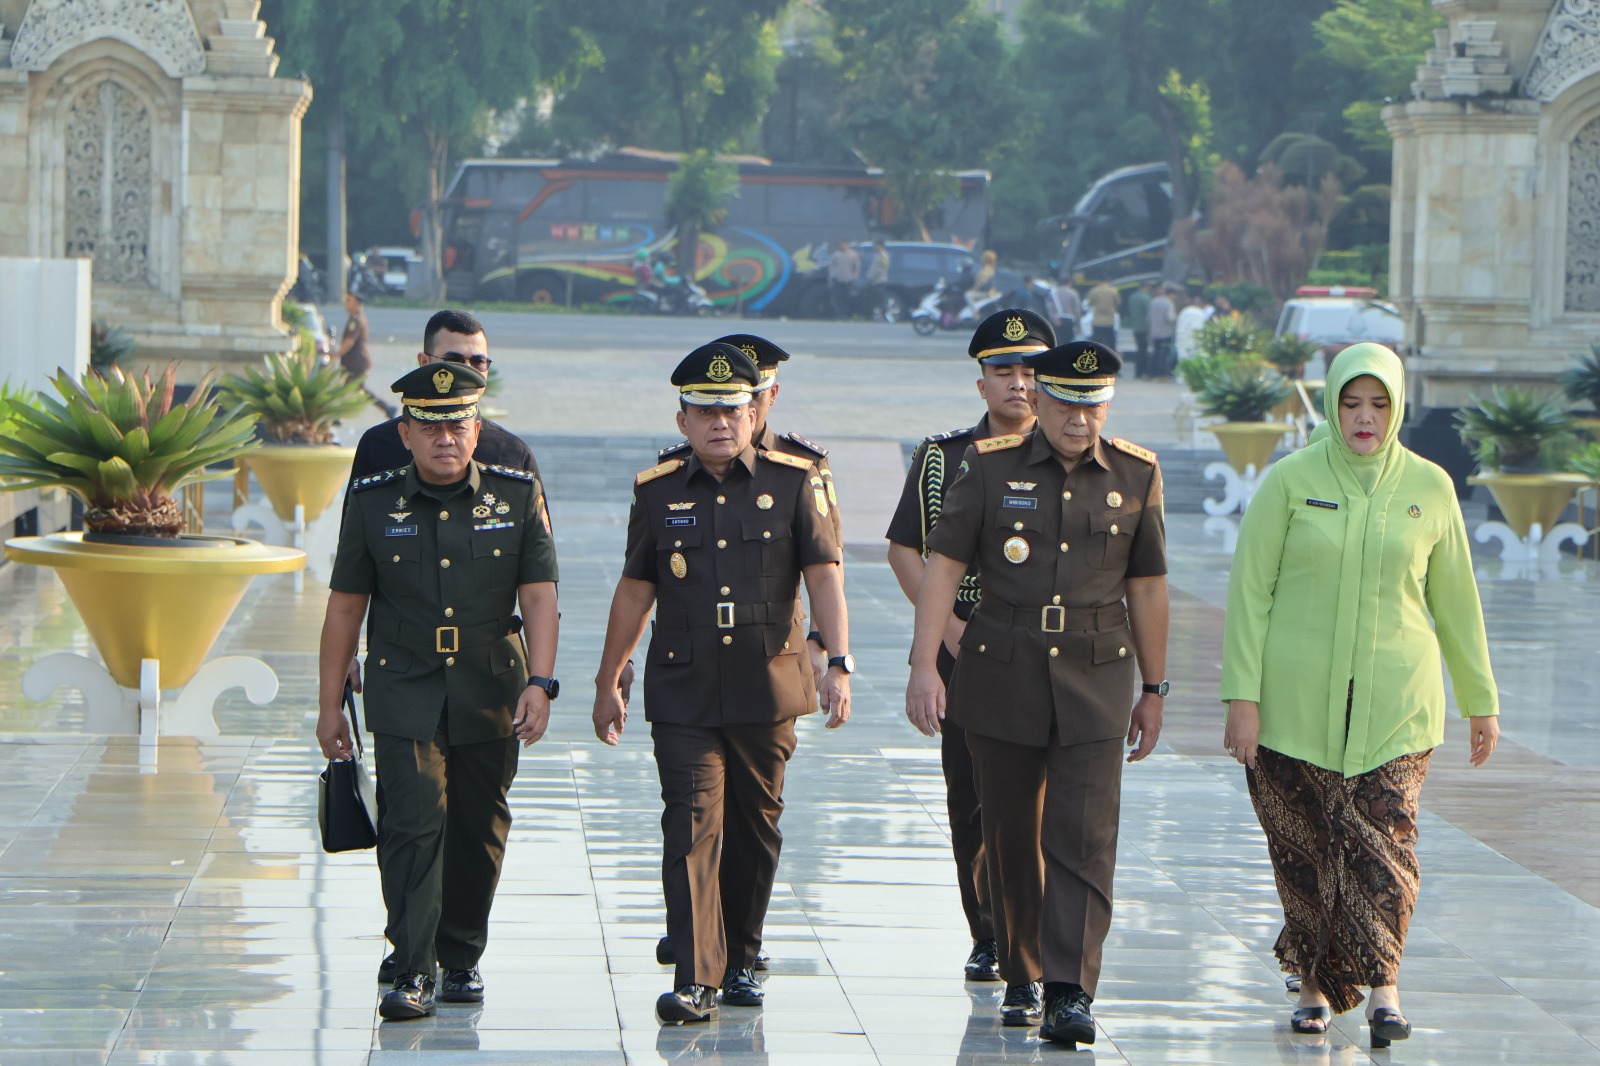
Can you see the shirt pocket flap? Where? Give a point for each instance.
(680, 537)
(1112, 647)
(994, 643)
(1114, 525)
(489, 546)
(765, 530)
(671, 646)
(1016, 519)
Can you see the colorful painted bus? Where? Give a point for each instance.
(568, 231)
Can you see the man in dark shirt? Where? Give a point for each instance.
(353, 354)
(450, 337)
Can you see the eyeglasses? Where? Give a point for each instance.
(480, 363)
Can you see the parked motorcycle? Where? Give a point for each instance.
(682, 296)
(938, 310)
(361, 280)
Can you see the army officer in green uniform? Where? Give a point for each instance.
(438, 557)
(1066, 529)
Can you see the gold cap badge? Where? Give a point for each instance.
(1016, 550)
(720, 369)
(1015, 330)
(764, 502)
(679, 565)
(442, 381)
(1113, 499)
(750, 350)
(1087, 363)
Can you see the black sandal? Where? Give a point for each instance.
(1300, 1021)
(1291, 984)
(1388, 1024)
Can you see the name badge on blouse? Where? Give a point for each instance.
(1329, 504)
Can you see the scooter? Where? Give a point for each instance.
(932, 314)
(682, 296)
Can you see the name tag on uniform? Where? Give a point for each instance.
(681, 520)
(1027, 503)
(1329, 504)
(400, 531)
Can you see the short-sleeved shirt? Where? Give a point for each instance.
(357, 361)
(768, 440)
(725, 559)
(1104, 302)
(380, 449)
(443, 565)
(1049, 653)
(934, 465)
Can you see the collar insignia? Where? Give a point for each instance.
(442, 381)
(687, 505)
(1023, 486)
(1015, 330)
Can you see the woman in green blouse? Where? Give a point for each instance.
(1351, 578)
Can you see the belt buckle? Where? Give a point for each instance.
(1060, 618)
(725, 616)
(450, 633)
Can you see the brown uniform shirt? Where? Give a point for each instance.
(725, 558)
(789, 444)
(357, 361)
(1048, 653)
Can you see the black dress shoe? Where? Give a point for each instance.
(388, 970)
(664, 953)
(984, 962)
(740, 989)
(412, 997)
(688, 1003)
(1066, 1015)
(1022, 1005)
(461, 986)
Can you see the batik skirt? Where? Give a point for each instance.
(1344, 856)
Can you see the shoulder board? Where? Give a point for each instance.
(673, 449)
(999, 444)
(508, 471)
(659, 470)
(816, 449)
(799, 462)
(382, 478)
(954, 434)
(1133, 449)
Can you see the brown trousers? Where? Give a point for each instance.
(966, 823)
(722, 795)
(1050, 831)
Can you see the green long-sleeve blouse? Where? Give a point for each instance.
(1342, 563)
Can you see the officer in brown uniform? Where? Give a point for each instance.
(1006, 386)
(1066, 529)
(444, 552)
(718, 543)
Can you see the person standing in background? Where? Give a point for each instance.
(1138, 321)
(1103, 303)
(353, 355)
(1071, 305)
(1163, 327)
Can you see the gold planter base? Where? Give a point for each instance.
(167, 604)
(1527, 499)
(1248, 444)
(307, 475)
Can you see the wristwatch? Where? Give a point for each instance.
(847, 663)
(551, 686)
(1157, 690)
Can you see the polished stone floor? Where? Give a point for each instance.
(172, 905)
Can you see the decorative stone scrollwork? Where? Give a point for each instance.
(1583, 220)
(107, 142)
(1569, 49)
(162, 29)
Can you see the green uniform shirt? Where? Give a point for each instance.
(443, 565)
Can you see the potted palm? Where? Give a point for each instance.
(297, 400)
(1243, 396)
(145, 590)
(1581, 383)
(1519, 436)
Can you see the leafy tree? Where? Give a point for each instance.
(1383, 41)
(697, 198)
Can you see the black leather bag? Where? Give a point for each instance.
(347, 802)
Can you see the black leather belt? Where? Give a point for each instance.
(725, 615)
(1050, 618)
(446, 639)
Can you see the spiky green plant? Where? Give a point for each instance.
(298, 398)
(118, 443)
(1581, 383)
(10, 398)
(1289, 353)
(1586, 461)
(109, 345)
(1242, 393)
(1513, 428)
(1235, 338)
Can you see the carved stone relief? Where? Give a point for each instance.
(108, 180)
(1583, 220)
(1568, 50)
(162, 29)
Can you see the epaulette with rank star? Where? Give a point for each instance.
(659, 470)
(799, 462)
(673, 449)
(381, 478)
(508, 471)
(999, 444)
(816, 449)
(1134, 450)
(954, 434)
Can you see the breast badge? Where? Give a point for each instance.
(764, 502)
(1016, 550)
(481, 511)
(1113, 499)
(679, 566)
(1415, 511)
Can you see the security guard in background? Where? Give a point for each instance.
(718, 543)
(1067, 533)
(444, 551)
(1006, 386)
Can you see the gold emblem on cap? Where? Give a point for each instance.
(1087, 363)
(679, 565)
(750, 350)
(1415, 511)
(1015, 330)
(442, 380)
(1016, 550)
(1113, 499)
(720, 369)
(764, 502)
